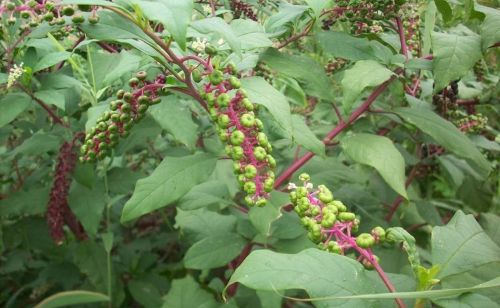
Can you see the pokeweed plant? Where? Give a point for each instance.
(146, 148)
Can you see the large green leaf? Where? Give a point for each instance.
(87, 204)
(445, 9)
(52, 97)
(445, 133)
(343, 45)
(364, 74)
(175, 118)
(262, 93)
(219, 26)
(262, 218)
(214, 251)
(313, 78)
(202, 223)
(250, 33)
(490, 29)
(461, 246)
(318, 272)
(51, 59)
(11, 106)
(175, 15)
(186, 292)
(171, 180)
(70, 298)
(305, 137)
(454, 55)
(380, 153)
(204, 195)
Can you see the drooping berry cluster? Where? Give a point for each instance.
(363, 16)
(411, 26)
(126, 111)
(330, 225)
(32, 13)
(472, 123)
(241, 8)
(238, 126)
(446, 100)
(58, 211)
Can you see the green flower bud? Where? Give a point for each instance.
(10, 6)
(304, 177)
(249, 201)
(379, 233)
(365, 240)
(339, 205)
(271, 161)
(94, 19)
(259, 124)
(261, 202)
(334, 247)
(196, 74)
(237, 137)
(301, 192)
(268, 185)
(77, 19)
(325, 195)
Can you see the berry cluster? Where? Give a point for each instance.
(35, 12)
(363, 16)
(241, 8)
(472, 123)
(330, 225)
(58, 211)
(411, 25)
(126, 111)
(446, 100)
(238, 126)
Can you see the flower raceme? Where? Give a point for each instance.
(58, 211)
(237, 125)
(126, 111)
(330, 225)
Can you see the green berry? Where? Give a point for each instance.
(346, 216)
(268, 185)
(249, 188)
(247, 104)
(379, 233)
(143, 100)
(261, 202)
(216, 77)
(237, 153)
(77, 19)
(325, 195)
(120, 93)
(223, 120)
(133, 82)
(259, 153)
(237, 137)
(247, 120)
(11, 6)
(141, 75)
(250, 171)
(365, 240)
(271, 161)
(126, 107)
(68, 11)
(94, 19)
(196, 74)
(234, 82)
(223, 100)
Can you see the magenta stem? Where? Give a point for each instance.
(402, 39)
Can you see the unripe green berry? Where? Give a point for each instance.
(68, 11)
(143, 100)
(237, 137)
(259, 153)
(268, 184)
(196, 74)
(249, 188)
(365, 240)
(237, 153)
(247, 120)
(223, 120)
(216, 77)
(368, 265)
(25, 15)
(379, 233)
(249, 201)
(346, 216)
(234, 82)
(259, 124)
(48, 17)
(125, 117)
(339, 205)
(155, 101)
(126, 107)
(141, 75)
(250, 171)
(133, 82)
(94, 19)
(210, 50)
(247, 104)
(223, 100)
(325, 196)
(142, 109)
(271, 161)
(261, 202)
(77, 19)
(10, 6)
(304, 177)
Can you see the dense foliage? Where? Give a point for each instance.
(260, 153)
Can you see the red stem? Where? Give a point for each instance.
(402, 39)
(336, 130)
(231, 290)
(51, 113)
(397, 202)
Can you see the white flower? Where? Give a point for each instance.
(220, 41)
(291, 186)
(199, 45)
(14, 74)
(207, 9)
(309, 186)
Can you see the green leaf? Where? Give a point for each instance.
(364, 74)
(380, 153)
(251, 34)
(287, 13)
(175, 118)
(22, 203)
(408, 244)
(445, 9)
(41, 142)
(490, 29)
(343, 45)
(305, 137)
(87, 204)
(461, 246)
(219, 26)
(318, 5)
(202, 223)
(186, 292)
(175, 15)
(318, 272)
(313, 78)
(491, 225)
(454, 55)
(214, 251)
(146, 294)
(69, 298)
(204, 195)
(91, 2)
(50, 60)
(262, 93)
(52, 97)
(263, 218)
(174, 177)
(445, 133)
(11, 106)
